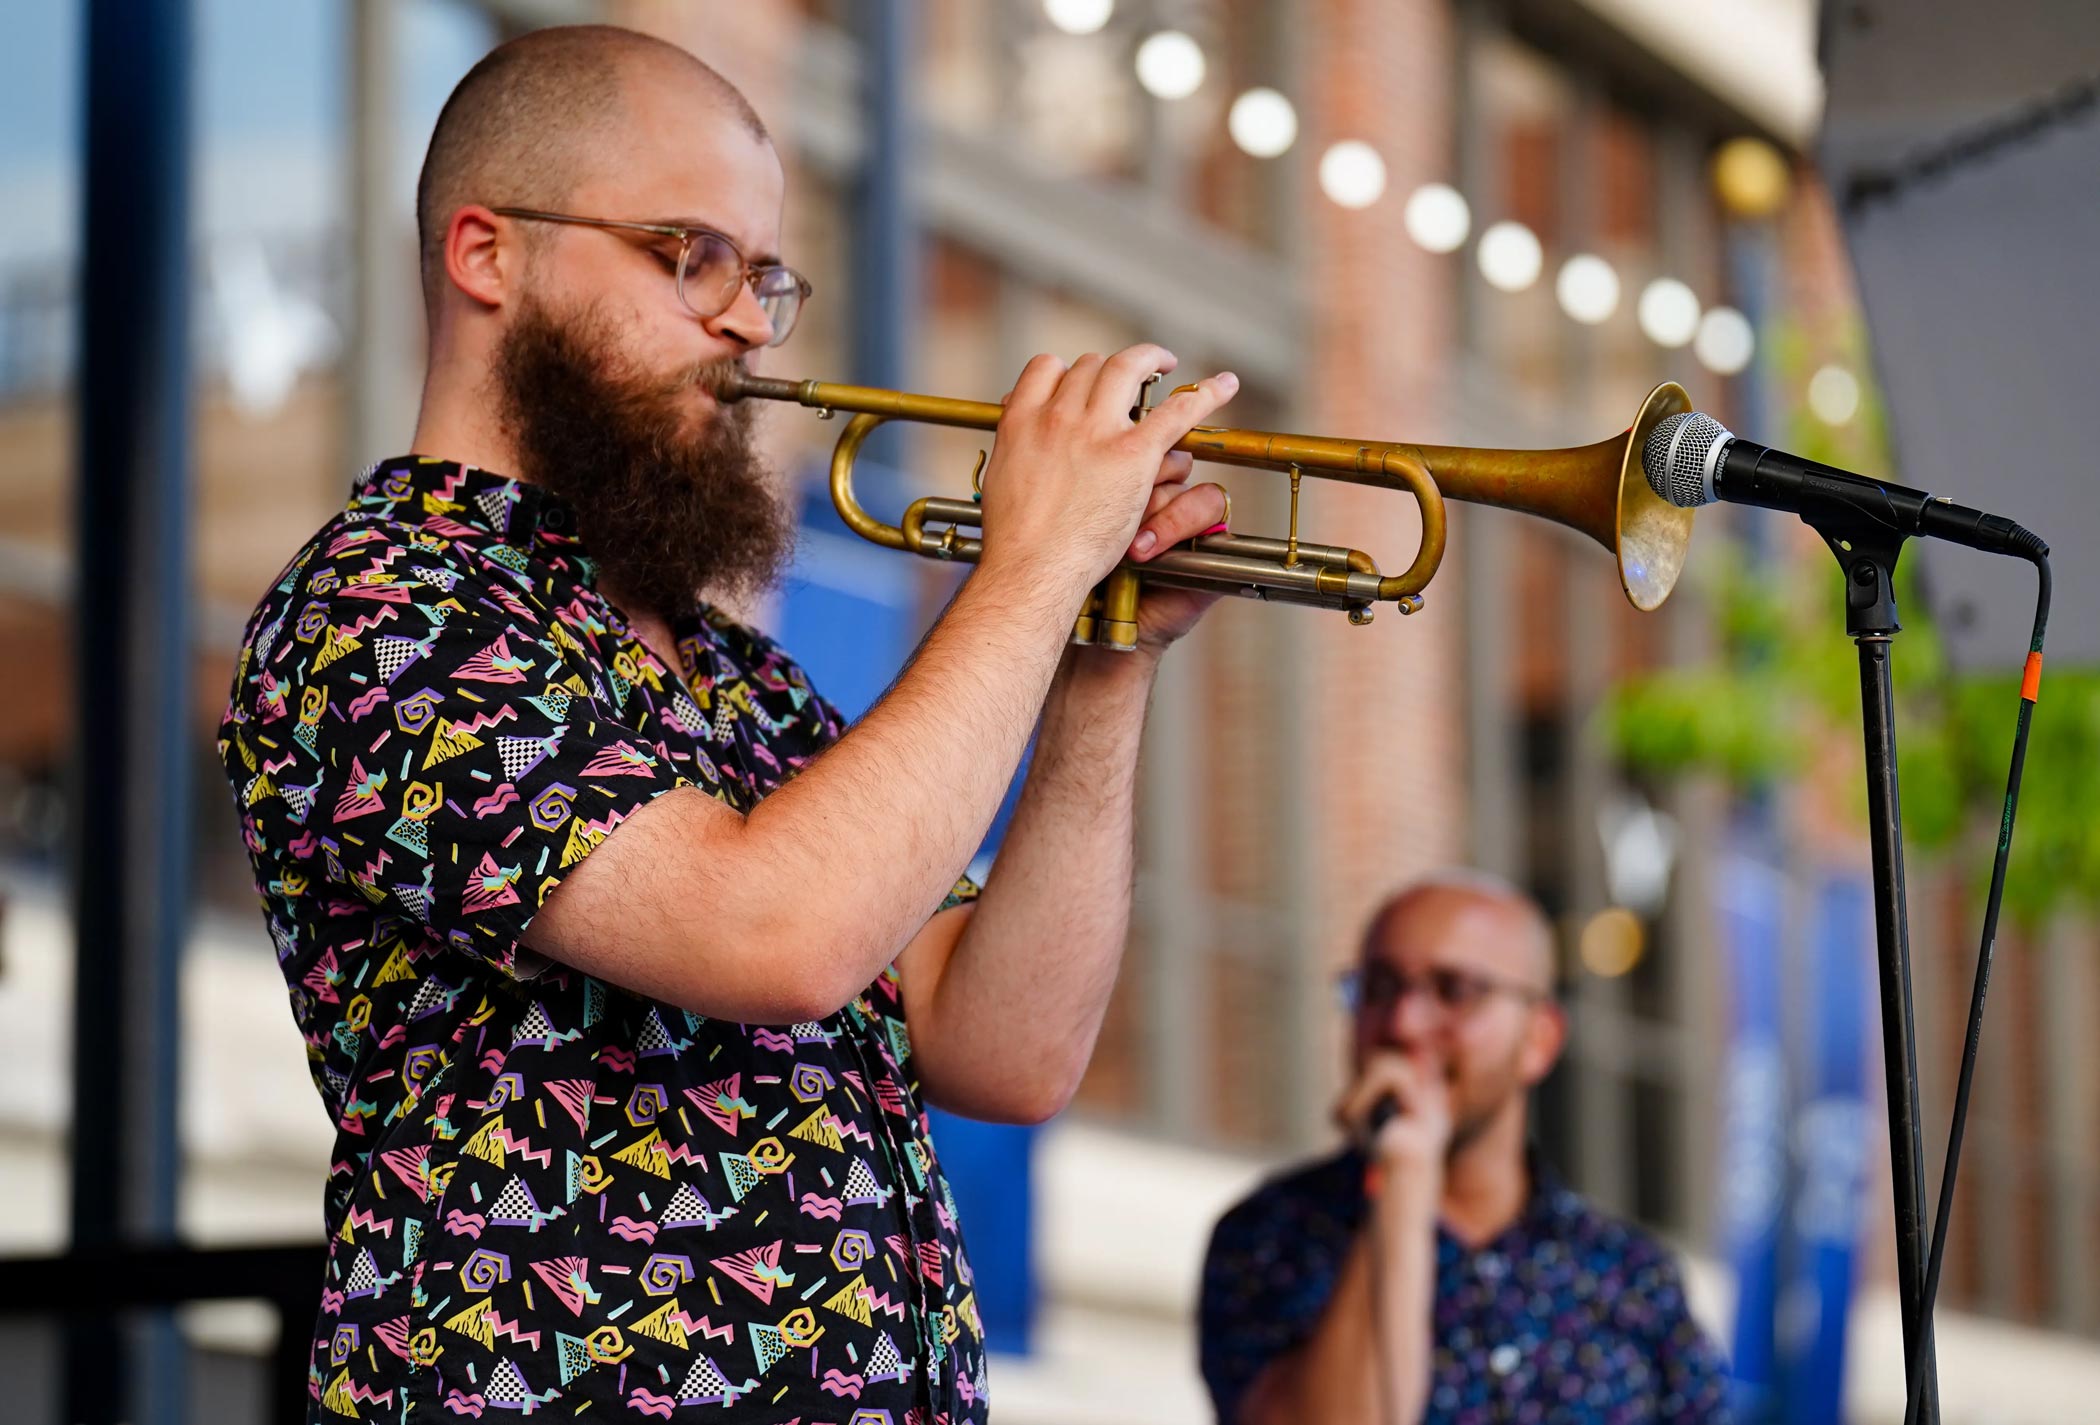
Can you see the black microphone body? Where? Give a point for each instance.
(1753, 474)
(1691, 459)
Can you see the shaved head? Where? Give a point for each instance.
(541, 113)
(1525, 923)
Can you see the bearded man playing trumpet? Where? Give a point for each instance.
(626, 968)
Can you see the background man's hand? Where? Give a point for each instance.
(1415, 1138)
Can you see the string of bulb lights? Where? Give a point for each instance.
(1263, 123)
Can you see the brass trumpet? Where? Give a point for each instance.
(1598, 489)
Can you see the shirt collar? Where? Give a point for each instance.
(1547, 1201)
(449, 497)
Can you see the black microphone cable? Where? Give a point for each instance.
(2031, 548)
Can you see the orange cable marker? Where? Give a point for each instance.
(2031, 681)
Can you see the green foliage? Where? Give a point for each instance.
(1784, 685)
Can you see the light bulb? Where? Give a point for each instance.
(1262, 122)
(1669, 312)
(1588, 289)
(1725, 343)
(1437, 217)
(1170, 65)
(1510, 256)
(1352, 174)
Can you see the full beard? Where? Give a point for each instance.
(666, 510)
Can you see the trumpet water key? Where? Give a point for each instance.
(1598, 489)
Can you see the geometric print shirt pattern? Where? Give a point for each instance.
(1568, 1315)
(548, 1193)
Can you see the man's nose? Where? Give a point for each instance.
(1413, 1015)
(744, 321)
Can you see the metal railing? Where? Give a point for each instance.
(93, 1285)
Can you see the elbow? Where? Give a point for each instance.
(1044, 1096)
(1030, 1097)
(776, 965)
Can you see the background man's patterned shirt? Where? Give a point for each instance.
(549, 1193)
(1567, 1316)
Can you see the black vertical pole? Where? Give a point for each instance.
(129, 806)
(1868, 553)
(885, 249)
(1898, 1024)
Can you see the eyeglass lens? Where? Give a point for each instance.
(713, 270)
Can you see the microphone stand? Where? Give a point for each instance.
(1867, 553)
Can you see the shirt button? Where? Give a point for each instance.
(1503, 1359)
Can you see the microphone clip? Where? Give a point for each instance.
(1867, 551)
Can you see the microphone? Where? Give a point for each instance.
(1691, 459)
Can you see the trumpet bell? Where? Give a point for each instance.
(1649, 534)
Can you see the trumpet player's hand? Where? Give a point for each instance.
(1176, 511)
(1072, 476)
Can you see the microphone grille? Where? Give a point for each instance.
(1680, 456)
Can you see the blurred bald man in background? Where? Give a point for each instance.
(1434, 1270)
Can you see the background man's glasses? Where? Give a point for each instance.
(1454, 991)
(709, 269)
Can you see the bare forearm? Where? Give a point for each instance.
(1019, 1001)
(874, 833)
(1403, 1220)
(1384, 1291)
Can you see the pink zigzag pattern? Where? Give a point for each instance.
(704, 1328)
(511, 1331)
(365, 622)
(522, 1146)
(850, 1130)
(482, 722)
(365, 1220)
(883, 1302)
(683, 1153)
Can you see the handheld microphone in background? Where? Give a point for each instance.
(1691, 459)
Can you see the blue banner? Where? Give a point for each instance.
(1750, 905)
(1830, 1141)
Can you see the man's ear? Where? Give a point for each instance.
(1545, 1037)
(482, 257)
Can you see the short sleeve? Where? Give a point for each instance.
(1243, 1321)
(1692, 1376)
(428, 746)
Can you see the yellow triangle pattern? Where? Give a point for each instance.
(851, 1301)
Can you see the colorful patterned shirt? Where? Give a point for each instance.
(549, 1193)
(1568, 1315)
